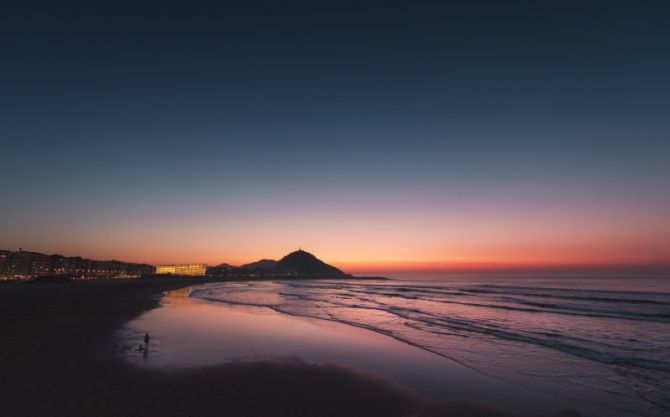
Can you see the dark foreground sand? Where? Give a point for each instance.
(57, 358)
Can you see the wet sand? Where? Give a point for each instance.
(57, 358)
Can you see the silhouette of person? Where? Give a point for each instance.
(146, 340)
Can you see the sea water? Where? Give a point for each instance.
(603, 343)
(595, 340)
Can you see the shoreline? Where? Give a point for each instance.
(59, 359)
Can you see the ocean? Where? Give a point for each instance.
(600, 346)
(594, 341)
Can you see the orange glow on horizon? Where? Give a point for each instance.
(465, 267)
(390, 238)
(486, 262)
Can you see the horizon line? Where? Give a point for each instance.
(436, 267)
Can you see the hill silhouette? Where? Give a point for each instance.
(261, 264)
(304, 264)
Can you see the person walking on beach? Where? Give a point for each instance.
(146, 340)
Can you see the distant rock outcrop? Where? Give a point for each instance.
(295, 265)
(304, 264)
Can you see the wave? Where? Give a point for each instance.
(507, 300)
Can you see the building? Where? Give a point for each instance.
(5, 265)
(184, 269)
(25, 265)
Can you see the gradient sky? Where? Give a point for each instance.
(414, 135)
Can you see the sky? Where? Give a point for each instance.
(387, 136)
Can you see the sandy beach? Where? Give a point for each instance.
(59, 359)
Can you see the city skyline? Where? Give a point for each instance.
(455, 136)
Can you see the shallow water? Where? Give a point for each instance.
(599, 349)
